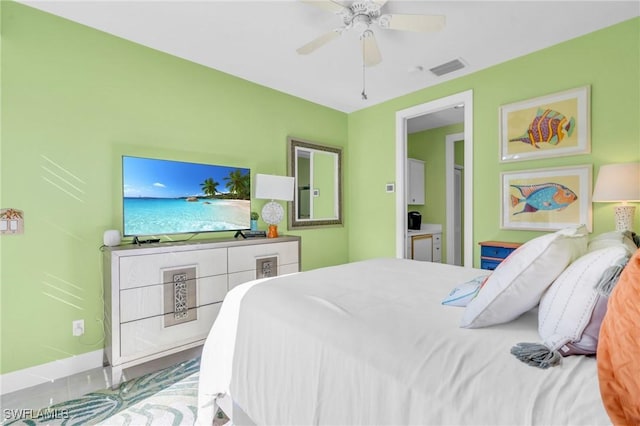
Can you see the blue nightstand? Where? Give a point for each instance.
(494, 252)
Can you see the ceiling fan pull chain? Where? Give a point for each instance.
(363, 94)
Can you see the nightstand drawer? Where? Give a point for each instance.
(498, 252)
(489, 264)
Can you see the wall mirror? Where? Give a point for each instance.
(317, 170)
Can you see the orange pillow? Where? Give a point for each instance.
(618, 352)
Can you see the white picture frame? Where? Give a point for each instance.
(543, 199)
(548, 126)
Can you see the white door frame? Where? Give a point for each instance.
(402, 116)
(448, 177)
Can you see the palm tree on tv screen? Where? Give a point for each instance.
(210, 187)
(238, 184)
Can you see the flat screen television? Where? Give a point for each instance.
(162, 197)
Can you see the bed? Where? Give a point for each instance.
(378, 342)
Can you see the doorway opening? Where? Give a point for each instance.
(465, 99)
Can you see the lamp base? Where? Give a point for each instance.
(273, 231)
(624, 217)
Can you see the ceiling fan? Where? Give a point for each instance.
(359, 16)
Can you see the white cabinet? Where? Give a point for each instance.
(425, 244)
(163, 298)
(425, 247)
(415, 184)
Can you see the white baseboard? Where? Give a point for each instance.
(32, 376)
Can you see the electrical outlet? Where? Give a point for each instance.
(78, 327)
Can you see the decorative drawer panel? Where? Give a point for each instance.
(237, 278)
(143, 302)
(243, 258)
(146, 270)
(497, 252)
(148, 336)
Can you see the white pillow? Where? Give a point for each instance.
(572, 310)
(613, 238)
(517, 284)
(462, 294)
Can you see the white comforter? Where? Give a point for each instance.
(370, 343)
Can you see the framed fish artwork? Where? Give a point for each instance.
(546, 199)
(549, 126)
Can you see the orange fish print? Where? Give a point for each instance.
(547, 126)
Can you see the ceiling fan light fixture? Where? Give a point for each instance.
(361, 23)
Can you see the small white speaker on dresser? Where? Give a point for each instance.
(111, 237)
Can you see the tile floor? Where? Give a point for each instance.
(71, 387)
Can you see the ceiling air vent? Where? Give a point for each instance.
(448, 67)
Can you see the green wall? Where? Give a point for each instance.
(73, 101)
(608, 60)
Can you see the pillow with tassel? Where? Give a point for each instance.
(572, 309)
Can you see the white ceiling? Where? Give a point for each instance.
(436, 119)
(257, 40)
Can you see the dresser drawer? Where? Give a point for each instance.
(243, 258)
(237, 278)
(497, 252)
(149, 336)
(145, 270)
(143, 302)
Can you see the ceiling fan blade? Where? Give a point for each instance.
(420, 23)
(326, 5)
(318, 42)
(370, 51)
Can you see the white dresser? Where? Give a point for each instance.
(425, 244)
(163, 298)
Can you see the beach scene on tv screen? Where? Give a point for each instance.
(172, 197)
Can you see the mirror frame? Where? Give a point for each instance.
(293, 220)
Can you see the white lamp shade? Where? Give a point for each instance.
(272, 187)
(618, 183)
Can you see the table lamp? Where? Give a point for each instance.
(619, 183)
(272, 187)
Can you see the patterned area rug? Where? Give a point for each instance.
(166, 397)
